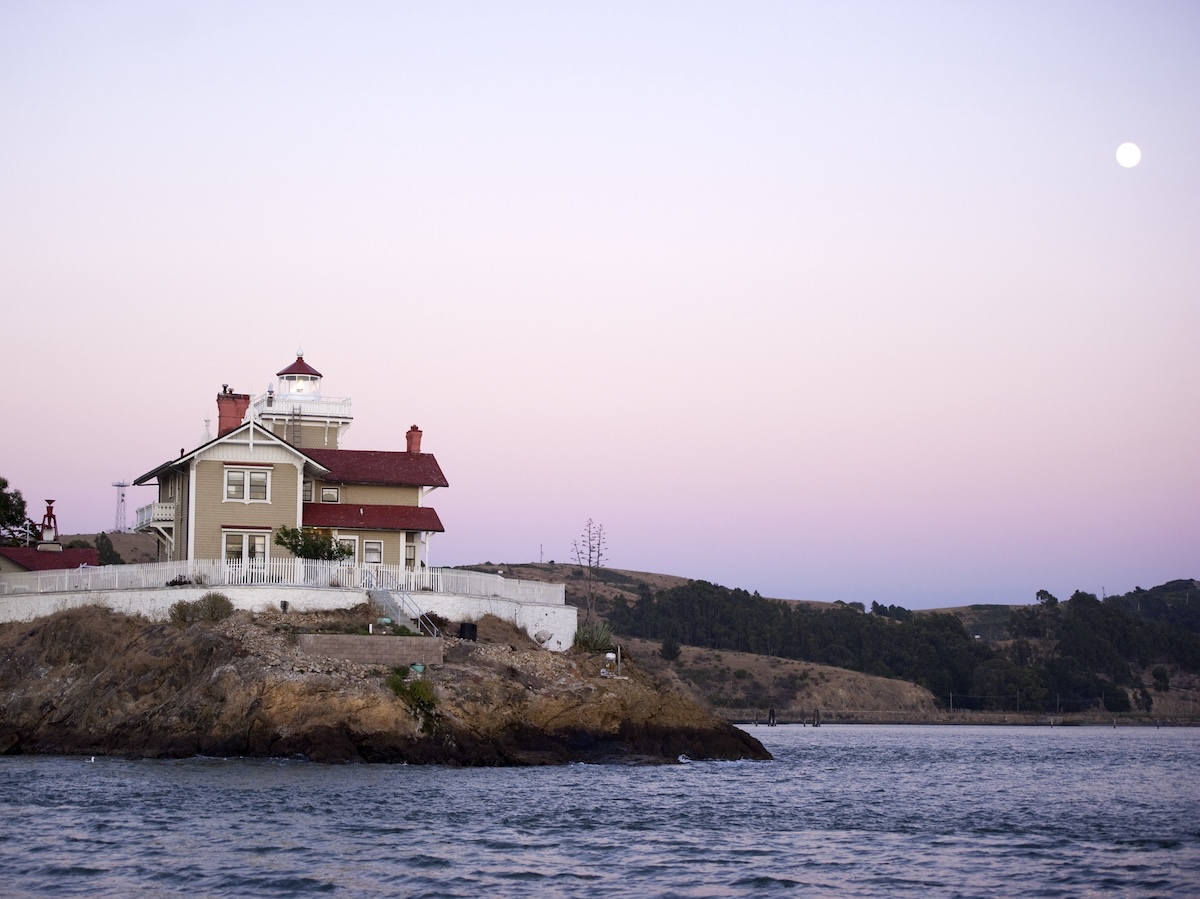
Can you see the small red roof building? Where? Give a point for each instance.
(30, 558)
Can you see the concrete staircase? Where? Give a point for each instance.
(402, 609)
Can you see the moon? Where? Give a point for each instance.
(1129, 155)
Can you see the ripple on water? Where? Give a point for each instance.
(843, 811)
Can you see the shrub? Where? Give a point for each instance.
(213, 606)
(180, 613)
(1162, 679)
(594, 636)
(417, 694)
(209, 607)
(669, 649)
(395, 679)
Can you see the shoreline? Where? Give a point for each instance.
(742, 718)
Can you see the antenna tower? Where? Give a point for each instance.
(120, 526)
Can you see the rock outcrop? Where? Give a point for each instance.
(92, 681)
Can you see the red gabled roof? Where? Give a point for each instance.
(375, 518)
(33, 559)
(379, 467)
(299, 367)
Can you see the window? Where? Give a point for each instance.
(247, 485)
(308, 491)
(350, 543)
(373, 552)
(329, 494)
(241, 547)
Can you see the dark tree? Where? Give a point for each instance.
(13, 516)
(311, 543)
(108, 555)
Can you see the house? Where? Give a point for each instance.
(277, 460)
(49, 554)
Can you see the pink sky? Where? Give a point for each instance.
(826, 300)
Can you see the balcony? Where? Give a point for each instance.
(310, 407)
(155, 516)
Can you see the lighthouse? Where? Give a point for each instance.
(294, 409)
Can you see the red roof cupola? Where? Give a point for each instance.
(299, 379)
(299, 367)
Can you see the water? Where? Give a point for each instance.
(846, 811)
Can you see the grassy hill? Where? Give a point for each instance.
(1136, 655)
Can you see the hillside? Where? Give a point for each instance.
(134, 549)
(1085, 658)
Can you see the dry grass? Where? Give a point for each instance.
(135, 549)
(742, 685)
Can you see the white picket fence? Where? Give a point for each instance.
(280, 573)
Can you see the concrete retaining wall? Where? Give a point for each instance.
(554, 623)
(385, 651)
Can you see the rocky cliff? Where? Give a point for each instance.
(92, 681)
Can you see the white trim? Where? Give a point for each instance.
(350, 538)
(191, 525)
(245, 532)
(300, 495)
(246, 471)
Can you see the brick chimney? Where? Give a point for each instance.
(231, 409)
(414, 439)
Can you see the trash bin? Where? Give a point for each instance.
(468, 630)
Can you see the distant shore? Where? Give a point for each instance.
(749, 717)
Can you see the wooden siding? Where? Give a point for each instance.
(312, 434)
(393, 543)
(370, 495)
(213, 513)
(182, 504)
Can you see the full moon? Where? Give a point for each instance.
(1129, 155)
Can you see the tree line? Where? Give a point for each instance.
(1074, 655)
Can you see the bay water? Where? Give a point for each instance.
(843, 810)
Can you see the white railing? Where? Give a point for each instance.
(315, 406)
(155, 512)
(281, 573)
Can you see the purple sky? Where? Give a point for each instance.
(828, 300)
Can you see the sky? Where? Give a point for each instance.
(828, 300)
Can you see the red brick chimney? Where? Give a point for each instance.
(231, 409)
(414, 439)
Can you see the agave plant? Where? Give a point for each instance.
(594, 636)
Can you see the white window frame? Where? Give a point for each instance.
(352, 541)
(368, 546)
(307, 491)
(246, 471)
(246, 541)
(337, 495)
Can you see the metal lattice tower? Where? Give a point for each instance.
(120, 526)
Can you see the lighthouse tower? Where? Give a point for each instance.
(294, 409)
